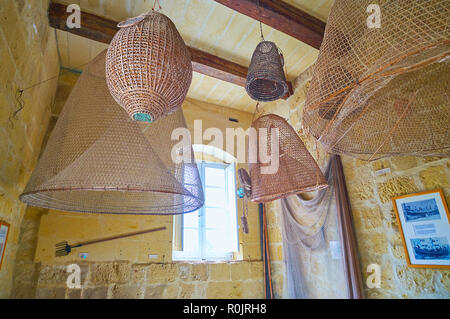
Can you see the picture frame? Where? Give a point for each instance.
(424, 223)
(4, 231)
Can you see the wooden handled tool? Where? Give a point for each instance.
(63, 248)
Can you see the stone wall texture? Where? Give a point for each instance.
(377, 231)
(125, 280)
(28, 56)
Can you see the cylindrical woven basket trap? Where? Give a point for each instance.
(98, 160)
(383, 91)
(148, 67)
(265, 78)
(297, 171)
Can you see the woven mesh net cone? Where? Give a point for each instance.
(265, 78)
(297, 171)
(148, 67)
(383, 91)
(99, 160)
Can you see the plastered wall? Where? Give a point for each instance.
(28, 55)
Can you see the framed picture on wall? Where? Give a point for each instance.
(4, 230)
(424, 223)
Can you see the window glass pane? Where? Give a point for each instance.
(216, 240)
(214, 176)
(211, 232)
(191, 219)
(215, 197)
(232, 218)
(190, 239)
(215, 217)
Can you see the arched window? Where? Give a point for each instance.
(210, 233)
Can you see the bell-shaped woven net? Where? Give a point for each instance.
(383, 91)
(148, 67)
(297, 171)
(99, 160)
(265, 78)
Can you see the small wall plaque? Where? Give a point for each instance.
(383, 171)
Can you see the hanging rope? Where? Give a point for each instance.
(154, 4)
(260, 24)
(260, 29)
(19, 103)
(255, 111)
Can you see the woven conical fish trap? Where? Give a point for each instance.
(99, 160)
(383, 91)
(297, 171)
(148, 67)
(265, 79)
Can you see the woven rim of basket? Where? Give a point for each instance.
(134, 20)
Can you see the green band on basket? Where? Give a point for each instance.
(143, 117)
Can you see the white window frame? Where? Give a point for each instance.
(230, 189)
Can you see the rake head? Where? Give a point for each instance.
(62, 249)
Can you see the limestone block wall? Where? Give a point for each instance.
(28, 55)
(377, 232)
(122, 269)
(123, 280)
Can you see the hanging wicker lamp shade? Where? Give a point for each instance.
(379, 92)
(99, 160)
(265, 78)
(297, 171)
(148, 67)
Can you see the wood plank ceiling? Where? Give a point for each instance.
(205, 25)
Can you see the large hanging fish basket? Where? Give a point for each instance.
(381, 82)
(297, 171)
(98, 160)
(265, 78)
(148, 67)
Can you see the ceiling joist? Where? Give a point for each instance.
(282, 17)
(103, 30)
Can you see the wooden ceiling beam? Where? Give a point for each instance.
(282, 17)
(103, 30)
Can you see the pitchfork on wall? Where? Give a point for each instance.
(64, 249)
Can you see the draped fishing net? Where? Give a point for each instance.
(383, 91)
(99, 160)
(303, 225)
